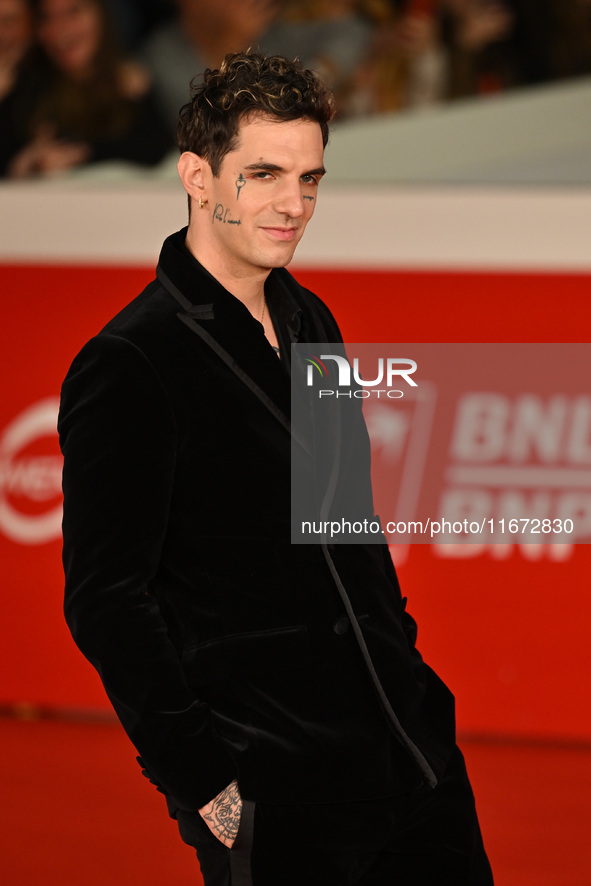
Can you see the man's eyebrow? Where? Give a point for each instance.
(268, 167)
(274, 167)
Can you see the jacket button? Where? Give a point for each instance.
(341, 625)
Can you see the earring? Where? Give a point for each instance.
(201, 203)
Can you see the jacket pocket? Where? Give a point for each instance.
(244, 655)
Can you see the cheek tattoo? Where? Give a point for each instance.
(240, 182)
(307, 197)
(221, 214)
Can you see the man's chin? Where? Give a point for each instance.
(282, 257)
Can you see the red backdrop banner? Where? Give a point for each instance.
(509, 634)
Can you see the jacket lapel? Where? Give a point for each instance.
(226, 326)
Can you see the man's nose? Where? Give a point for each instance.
(289, 200)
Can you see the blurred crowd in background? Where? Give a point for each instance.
(88, 80)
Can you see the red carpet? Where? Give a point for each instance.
(77, 812)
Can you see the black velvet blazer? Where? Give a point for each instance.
(226, 651)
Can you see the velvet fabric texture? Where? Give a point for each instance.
(225, 650)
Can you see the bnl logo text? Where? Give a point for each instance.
(390, 370)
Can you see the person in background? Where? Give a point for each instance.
(406, 65)
(199, 36)
(15, 40)
(94, 104)
(16, 36)
(331, 37)
(479, 36)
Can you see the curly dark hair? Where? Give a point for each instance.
(247, 84)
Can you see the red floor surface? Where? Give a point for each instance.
(76, 810)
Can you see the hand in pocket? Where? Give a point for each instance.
(222, 814)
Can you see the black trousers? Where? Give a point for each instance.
(428, 837)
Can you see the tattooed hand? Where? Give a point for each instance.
(222, 814)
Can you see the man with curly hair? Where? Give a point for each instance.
(273, 690)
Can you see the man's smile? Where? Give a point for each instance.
(280, 232)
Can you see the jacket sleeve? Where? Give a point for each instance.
(118, 437)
